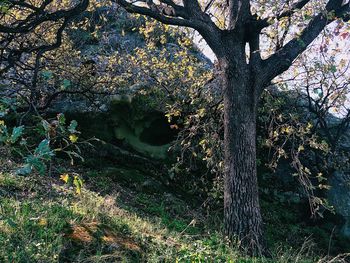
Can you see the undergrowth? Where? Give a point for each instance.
(44, 220)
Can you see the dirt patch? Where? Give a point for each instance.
(95, 232)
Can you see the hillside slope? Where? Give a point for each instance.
(43, 219)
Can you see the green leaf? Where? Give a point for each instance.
(25, 170)
(43, 150)
(46, 125)
(40, 166)
(333, 68)
(65, 83)
(73, 126)
(47, 74)
(61, 119)
(37, 163)
(16, 133)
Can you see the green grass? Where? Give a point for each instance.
(43, 220)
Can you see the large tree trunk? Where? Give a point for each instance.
(243, 222)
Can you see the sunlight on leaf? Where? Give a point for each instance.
(64, 177)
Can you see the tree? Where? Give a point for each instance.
(246, 74)
(25, 28)
(29, 30)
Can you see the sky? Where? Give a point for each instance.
(337, 49)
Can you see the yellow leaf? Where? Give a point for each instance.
(309, 126)
(288, 130)
(2, 123)
(42, 222)
(202, 142)
(73, 138)
(177, 113)
(323, 186)
(201, 112)
(64, 177)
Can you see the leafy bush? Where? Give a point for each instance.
(40, 140)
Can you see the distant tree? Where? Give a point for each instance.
(247, 64)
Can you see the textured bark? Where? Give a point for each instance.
(242, 217)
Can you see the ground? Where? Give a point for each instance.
(112, 220)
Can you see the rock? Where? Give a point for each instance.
(344, 142)
(145, 131)
(152, 186)
(339, 198)
(123, 123)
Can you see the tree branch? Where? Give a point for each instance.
(239, 13)
(284, 57)
(41, 16)
(156, 14)
(288, 13)
(189, 15)
(295, 7)
(18, 29)
(192, 6)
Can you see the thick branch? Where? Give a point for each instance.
(284, 57)
(297, 6)
(192, 5)
(239, 13)
(189, 15)
(156, 14)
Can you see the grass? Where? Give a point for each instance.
(44, 220)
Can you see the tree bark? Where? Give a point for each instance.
(242, 216)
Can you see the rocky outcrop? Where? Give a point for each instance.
(146, 132)
(339, 197)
